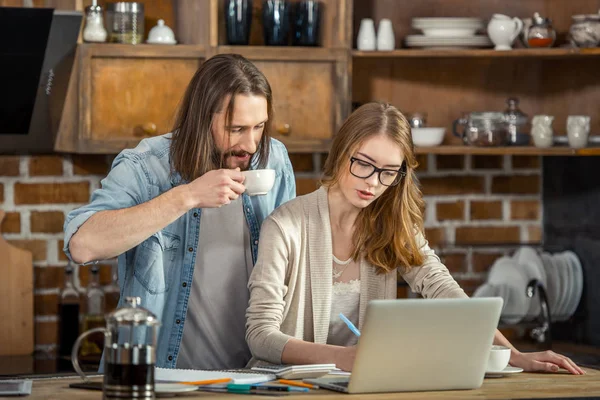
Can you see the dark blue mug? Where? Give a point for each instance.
(307, 23)
(276, 22)
(238, 20)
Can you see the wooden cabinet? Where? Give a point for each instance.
(122, 93)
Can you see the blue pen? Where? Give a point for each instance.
(350, 325)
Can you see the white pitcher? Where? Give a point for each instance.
(503, 30)
(541, 130)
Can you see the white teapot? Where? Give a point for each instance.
(503, 30)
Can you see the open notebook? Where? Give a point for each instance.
(192, 375)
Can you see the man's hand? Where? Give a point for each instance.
(216, 188)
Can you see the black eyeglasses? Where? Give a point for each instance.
(387, 177)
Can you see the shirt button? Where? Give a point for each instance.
(256, 242)
(178, 321)
(248, 209)
(184, 284)
(170, 358)
(195, 215)
(191, 249)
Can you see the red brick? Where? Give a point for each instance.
(49, 277)
(45, 166)
(11, 223)
(422, 160)
(306, 185)
(487, 234)
(525, 209)
(450, 211)
(535, 233)
(46, 332)
(526, 162)
(46, 304)
(54, 193)
(9, 165)
(487, 162)
(47, 221)
(470, 285)
(456, 262)
(302, 162)
(452, 185)
(61, 254)
(516, 184)
(435, 236)
(36, 247)
(90, 164)
(446, 162)
(482, 262)
(486, 210)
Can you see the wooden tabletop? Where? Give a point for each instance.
(519, 386)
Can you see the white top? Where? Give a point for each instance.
(345, 299)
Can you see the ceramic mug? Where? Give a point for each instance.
(578, 130)
(259, 181)
(541, 130)
(498, 359)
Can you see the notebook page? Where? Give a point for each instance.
(188, 375)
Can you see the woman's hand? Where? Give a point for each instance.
(546, 361)
(344, 358)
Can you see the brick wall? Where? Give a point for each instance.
(478, 208)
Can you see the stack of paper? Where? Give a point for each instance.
(191, 375)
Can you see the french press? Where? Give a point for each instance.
(130, 340)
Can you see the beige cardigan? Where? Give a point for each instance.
(291, 284)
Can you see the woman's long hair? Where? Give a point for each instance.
(384, 231)
(193, 149)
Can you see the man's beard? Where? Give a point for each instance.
(222, 159)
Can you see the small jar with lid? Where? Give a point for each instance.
(585, 30)
(125, 22)
(541, 33)
(94, 31)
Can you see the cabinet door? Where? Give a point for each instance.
(310, 88)
(128, 95)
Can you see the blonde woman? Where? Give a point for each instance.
(343, 245)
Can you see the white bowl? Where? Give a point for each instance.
(259, 181)
(449, 32)
(428, 137)
(498, 359)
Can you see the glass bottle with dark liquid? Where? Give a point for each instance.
(94, 315)
(68, 323)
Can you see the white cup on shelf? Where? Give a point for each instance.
(578, 130)
(367, 39)
(385, 36)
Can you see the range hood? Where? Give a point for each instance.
(37, 49)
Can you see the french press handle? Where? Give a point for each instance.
(75, 351)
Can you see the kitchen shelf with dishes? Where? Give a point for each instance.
(562, 52)
(508, 150)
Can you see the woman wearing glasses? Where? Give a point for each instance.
(334, 250)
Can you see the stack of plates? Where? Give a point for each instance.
(561, 275)
(448, 32)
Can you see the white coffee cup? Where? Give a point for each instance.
(498, 359)
(258, 181)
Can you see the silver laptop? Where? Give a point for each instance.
(418, 344)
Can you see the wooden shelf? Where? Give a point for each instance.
(144, 50)
(565, 52)
(515, 151)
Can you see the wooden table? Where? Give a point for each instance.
(519, 386)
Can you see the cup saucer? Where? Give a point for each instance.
(506, 371)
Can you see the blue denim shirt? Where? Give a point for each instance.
(160, 269)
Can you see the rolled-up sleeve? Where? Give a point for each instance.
(432, 279)
(125, 186)
(267, 291)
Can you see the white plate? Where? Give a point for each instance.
(578, 271)
(432, 41)
(436, 22)
(449, 32)
(552, 290)
(173, 388)
(506, 371)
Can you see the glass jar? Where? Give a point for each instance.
(541, 33)
(483, 129)
(517, 123)
(585, 30)
(94, 30)
(125, 22)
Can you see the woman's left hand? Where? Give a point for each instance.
(547, 361)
